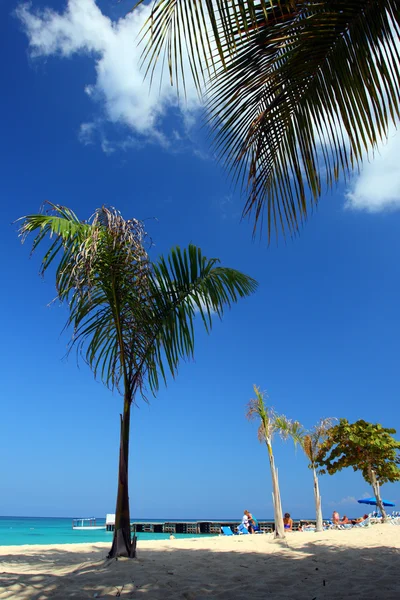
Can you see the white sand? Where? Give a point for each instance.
(358, 563)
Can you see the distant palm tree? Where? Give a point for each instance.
(298, 91)
(271, 423)
(132, 319)
(311, 442)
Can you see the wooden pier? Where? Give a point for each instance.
(193, 527)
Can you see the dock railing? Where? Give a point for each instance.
(196, 527)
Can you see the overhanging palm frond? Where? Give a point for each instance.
(301, 91)
(303, 101)
(206, 33)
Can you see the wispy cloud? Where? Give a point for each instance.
(344, 501)
(86, 133)
(124, 98)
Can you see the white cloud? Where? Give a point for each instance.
(377, 187)
(119, 88)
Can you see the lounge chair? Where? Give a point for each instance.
(242, 529)
(227, 530)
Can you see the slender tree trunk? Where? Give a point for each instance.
(276, 496)
(318, 510)
(122, 544)
(377, 494)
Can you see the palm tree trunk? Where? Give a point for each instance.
(377, 494)
(122, 544)
(276, 496)
(318, 509)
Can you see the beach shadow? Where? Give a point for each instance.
(314, 571)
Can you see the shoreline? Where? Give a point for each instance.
(358, 563)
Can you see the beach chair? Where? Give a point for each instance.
(227, 530)
(242, 529)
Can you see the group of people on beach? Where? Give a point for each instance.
(249, 523)
(346, 521)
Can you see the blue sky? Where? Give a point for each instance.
(321, 335)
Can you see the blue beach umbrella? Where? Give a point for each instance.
(372, 501)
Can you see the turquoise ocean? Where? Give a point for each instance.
(45, 530)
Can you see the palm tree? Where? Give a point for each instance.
(271, 423)
(298, 91)
(132, 319)
(311, 442)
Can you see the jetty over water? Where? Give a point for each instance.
(194, 527)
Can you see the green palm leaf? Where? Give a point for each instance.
(299, 92)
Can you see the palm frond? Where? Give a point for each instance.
(287, 428)
(308, 448)
(302, 102)
(299, 92)
(315, 437)
(183, 285)
(257, 409)
(59, 224)
(206, 33)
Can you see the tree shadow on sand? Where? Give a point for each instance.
(316, 571)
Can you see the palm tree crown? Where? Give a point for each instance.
(133, 319)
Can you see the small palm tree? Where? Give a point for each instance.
(298, 91)
(271, 423)
(311, 442)
(132, 319)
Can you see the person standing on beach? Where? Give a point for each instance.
(253, 523)
(245, 522)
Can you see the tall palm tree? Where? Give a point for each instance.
(298, 91)
(271, 423)
(132, 319)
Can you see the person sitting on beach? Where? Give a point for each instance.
(360, 520)
(287, 522)
(335, 517)
(344, 521)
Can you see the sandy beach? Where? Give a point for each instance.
(358, 563)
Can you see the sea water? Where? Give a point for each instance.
(45, 530)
